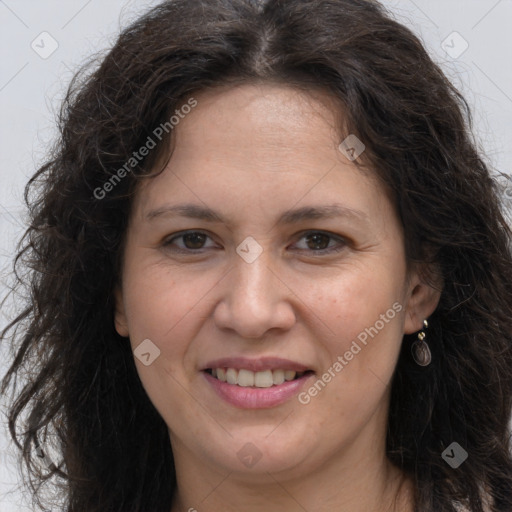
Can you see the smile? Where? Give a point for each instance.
(248, 378)
(246, 389)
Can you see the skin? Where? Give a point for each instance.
(250, 152)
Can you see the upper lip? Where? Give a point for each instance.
(256, 365)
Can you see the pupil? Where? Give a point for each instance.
(317, 239)
(196, 239)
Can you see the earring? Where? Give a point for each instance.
(420, 349)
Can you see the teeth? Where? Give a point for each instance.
(263, 379)
(248, 378)
(245, 378)
(289, 375)
(278, 377)
(232, 376)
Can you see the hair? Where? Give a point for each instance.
(80, 384)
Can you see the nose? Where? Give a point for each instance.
(255, 300)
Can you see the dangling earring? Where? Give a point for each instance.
(420, 349)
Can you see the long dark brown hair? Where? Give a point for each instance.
(78, 381)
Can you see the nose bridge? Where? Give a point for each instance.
(253, 285)
(254, 301)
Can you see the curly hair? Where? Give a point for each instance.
(80, 383)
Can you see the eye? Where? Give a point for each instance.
(323, 242)
(192, 241)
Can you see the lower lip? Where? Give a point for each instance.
(256, 398)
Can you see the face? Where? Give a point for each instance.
(267, 275)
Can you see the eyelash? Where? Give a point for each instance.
(343, 243)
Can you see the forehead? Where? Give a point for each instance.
(250, 115)
(268, 139)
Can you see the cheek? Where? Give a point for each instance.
(364, 314)
(164, 308)
(158, 299)
(360, 352)
(356, 300)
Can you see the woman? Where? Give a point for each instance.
(269, 272)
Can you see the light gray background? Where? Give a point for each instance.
(31, 88)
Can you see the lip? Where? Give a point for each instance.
(256, 365)
(256, 398)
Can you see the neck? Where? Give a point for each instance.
(371, 484)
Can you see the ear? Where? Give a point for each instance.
(424, 292)
(120, 322)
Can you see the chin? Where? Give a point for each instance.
(260, 453)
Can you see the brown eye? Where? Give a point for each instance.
(190, 241)
(321, 242)
(318, 241)
(194, 240)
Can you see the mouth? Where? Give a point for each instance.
(264, 386)
(255, 379)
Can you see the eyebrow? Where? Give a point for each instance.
(292, 216)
